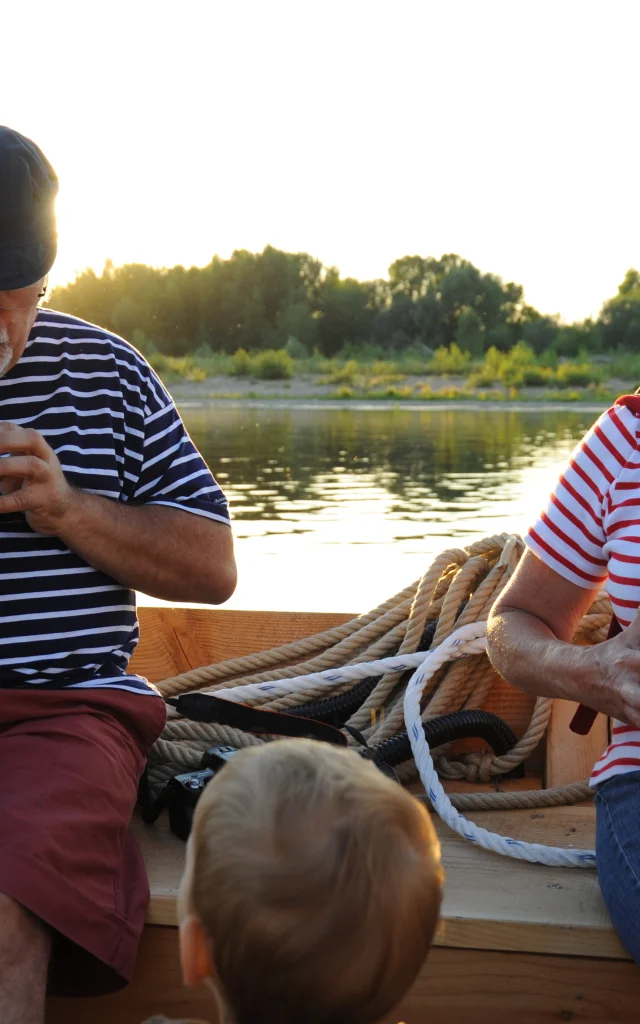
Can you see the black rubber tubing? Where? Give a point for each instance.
(459, 725)
(336, 710)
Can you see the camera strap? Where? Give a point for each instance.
(206, 707)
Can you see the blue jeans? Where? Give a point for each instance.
(618, 855)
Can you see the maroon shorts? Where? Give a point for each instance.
(70, 762)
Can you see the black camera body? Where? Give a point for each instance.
(182, 792)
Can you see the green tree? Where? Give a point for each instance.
(620, 317)
(268, 300)
(345, 314)
(470, 332)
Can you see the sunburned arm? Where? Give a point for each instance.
(529, 633)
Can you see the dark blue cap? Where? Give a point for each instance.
(28, 188)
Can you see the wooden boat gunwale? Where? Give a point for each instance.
(501, 919)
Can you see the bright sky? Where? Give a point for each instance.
(358, 131)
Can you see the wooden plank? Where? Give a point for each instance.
(164, 854)
(491, 902)
(571, 827)
(173, 640)
(570, 758)
(514, 707)
(158, 654)
(498, 785)
(461, 986)
(468, 987)
(494, 902)
(156, 988)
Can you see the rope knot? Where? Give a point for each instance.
(478, 767)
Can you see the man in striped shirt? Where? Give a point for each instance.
(102, 493)
(589, 537)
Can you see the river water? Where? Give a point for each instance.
(337, 509)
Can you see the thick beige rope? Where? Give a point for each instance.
(225, 671)
(459, 587)
(559, 796)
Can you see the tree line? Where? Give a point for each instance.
(274, 299)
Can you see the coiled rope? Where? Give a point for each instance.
(458, 590)
(464, 642)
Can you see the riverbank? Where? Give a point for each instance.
(307, 391)
(362, 405)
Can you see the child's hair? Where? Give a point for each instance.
(318, 882)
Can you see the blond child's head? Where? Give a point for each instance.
(312, 887)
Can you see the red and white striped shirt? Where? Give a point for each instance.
(590, 535)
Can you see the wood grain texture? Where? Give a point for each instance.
(498, 785)
(472, 987)
(156, 988)
(570, 758)
(455, 987)
(490, 902)
(494, 902)
(173, 640)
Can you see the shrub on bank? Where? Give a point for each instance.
(171, 368)
(375, 377)
(520, 368)
(448, 361)
(272, 364)
(570, 375)
(242, 363)
(343, 374)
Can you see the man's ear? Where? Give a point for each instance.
(195, 952)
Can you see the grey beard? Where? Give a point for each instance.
(6, 351)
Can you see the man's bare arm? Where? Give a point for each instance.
(165, 552)
(162, 551)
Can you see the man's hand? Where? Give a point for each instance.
(32, 481)
(617, 664)
(166, 552)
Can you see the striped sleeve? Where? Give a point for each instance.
(166, 467)
(569, 536)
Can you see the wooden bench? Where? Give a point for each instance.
(517, 942)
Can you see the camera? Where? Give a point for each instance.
(182, 792)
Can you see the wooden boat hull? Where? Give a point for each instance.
(457, 986)
(517, 942)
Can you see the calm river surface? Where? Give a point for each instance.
(337, 509)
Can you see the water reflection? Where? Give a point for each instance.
(336, 509)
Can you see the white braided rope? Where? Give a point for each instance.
(258, 693)
(466, 640)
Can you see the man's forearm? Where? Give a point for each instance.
(528, 654)
(162, 551)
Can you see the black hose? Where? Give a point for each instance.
(458, 725)
(336, 710)
(428, 634)
(455, 726)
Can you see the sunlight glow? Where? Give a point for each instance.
(357, 131)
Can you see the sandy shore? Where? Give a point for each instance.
(306, 392)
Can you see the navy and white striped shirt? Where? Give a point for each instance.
(117, 433)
